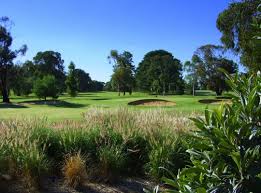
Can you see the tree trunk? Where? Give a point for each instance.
(5, 96)
(193, 89)
(164, 89)
(119, 92)
(219, 92)
(130, 91)
(4, 88)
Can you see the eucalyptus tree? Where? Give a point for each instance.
(236, 25)
(209, 59)
(123, 71)
(191, 76)
(7, 55)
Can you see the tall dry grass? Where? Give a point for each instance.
(121, 141)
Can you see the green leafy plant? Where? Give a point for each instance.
(229, 160)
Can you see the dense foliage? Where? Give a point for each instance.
(83, 80)
(21, 82)
(235, 24)
(191, 78)
(46, 87)
(50, 63)
(208, 59)
(122, 78)
(228, 159)
(159, 67)
(71, 81)
(7, 55)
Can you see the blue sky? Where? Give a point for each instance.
(84, 31)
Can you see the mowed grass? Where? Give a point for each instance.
(69, 108)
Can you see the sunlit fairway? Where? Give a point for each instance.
(72, 108)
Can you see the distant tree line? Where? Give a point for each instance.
(161, 73)
(239, 25)
(44, 75)
(158, 73)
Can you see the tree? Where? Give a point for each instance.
(208, 60)
(156, 87)
(50, 63)
(256, 40)
(96, 85)
(123, 71)
(83, 80)
(108, 86)
(191, 76)
(235, 24)
(7, 56)
(46, 87)
(161, 66)
(71, 81)
(22, 80)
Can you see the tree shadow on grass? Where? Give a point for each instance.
(223, 97)
(101, 99)
(132, 186)
(87, 96)
(204, 93)
(144, 101)
(55, 103)
(81, 97)
(123, 185)
(12, 106)
(214, 101)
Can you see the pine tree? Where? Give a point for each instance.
(71, 81)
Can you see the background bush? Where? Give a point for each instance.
(46, 87)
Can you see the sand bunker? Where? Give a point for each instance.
(152, 102)
(215, 101)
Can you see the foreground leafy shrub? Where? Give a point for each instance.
(230, 158)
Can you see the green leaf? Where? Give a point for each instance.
(201, 190)
(170, 182)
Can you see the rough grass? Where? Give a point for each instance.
(74, 169)
(118, 142)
